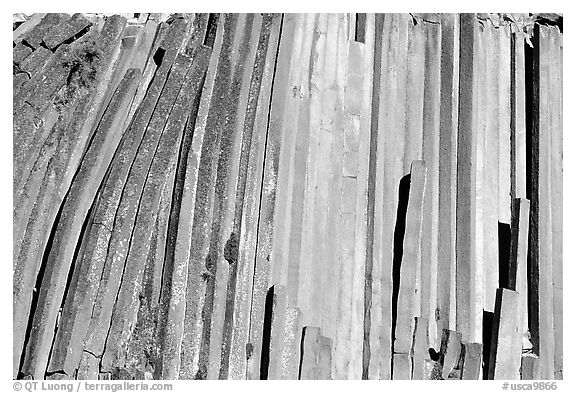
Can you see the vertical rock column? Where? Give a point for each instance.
(284, 111)
(556, 138)
(447, 168)
(407, 309)
(429, 282)
(248, 284)
(468, 309)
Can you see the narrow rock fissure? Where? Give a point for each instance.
(399, 230)
(266, 335)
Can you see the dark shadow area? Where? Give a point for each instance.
(490, 347)
(360, 33)
(487, 322)
(58, 372)
(301, 352)
(513, 113)
(514, 228)
(266, 334)
(551, 20)
(532, 78)
(25, 43)
(403, 193)
(159, 56)
(211, 27)
(71, 39)
(460, 365)
(504, 241)
(435, 356)
(15, 25)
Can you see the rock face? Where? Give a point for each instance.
(287, 196)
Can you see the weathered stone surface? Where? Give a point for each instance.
(503, 351)
(162, 171)
(20, 52)
(430, 281)
(414, 95)
(420, 357)
(487, 194)
(274, 371)
(284, 111)
(232, 203)
(36, 34)
(469, 314)
(375, 310)
(518, 118)
(256, 213)
(18, 80)
(59, 158)
(556, 189)
(202, 266)
(309, 355)
(36, 62)
(227, 229)
(450, 351)
(402, 366)
(325, 359)
(76, 205)
(181, 341)
(27, 26)
(128, 207)
(332, 123)
(283, 107)
(292, 338)
(542, 200)
(99, 232)
(89, 367)
(503, 37)
(446, 292)
(518, 272)
(173, 297)
(530, 367)
(58, 376)
(66, 31)
(365, 144)
(392, 122)
(414, 113)
(472, 365)
(350, 251)
(56, 86)
(158, 32)
(482, 194)
(300, 167)
(309, 281)
(25, 110)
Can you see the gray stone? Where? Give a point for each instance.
(20, 52)
(36, 62)
(309, 355)
(36, 34)
(472, 365)
(66, 31)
